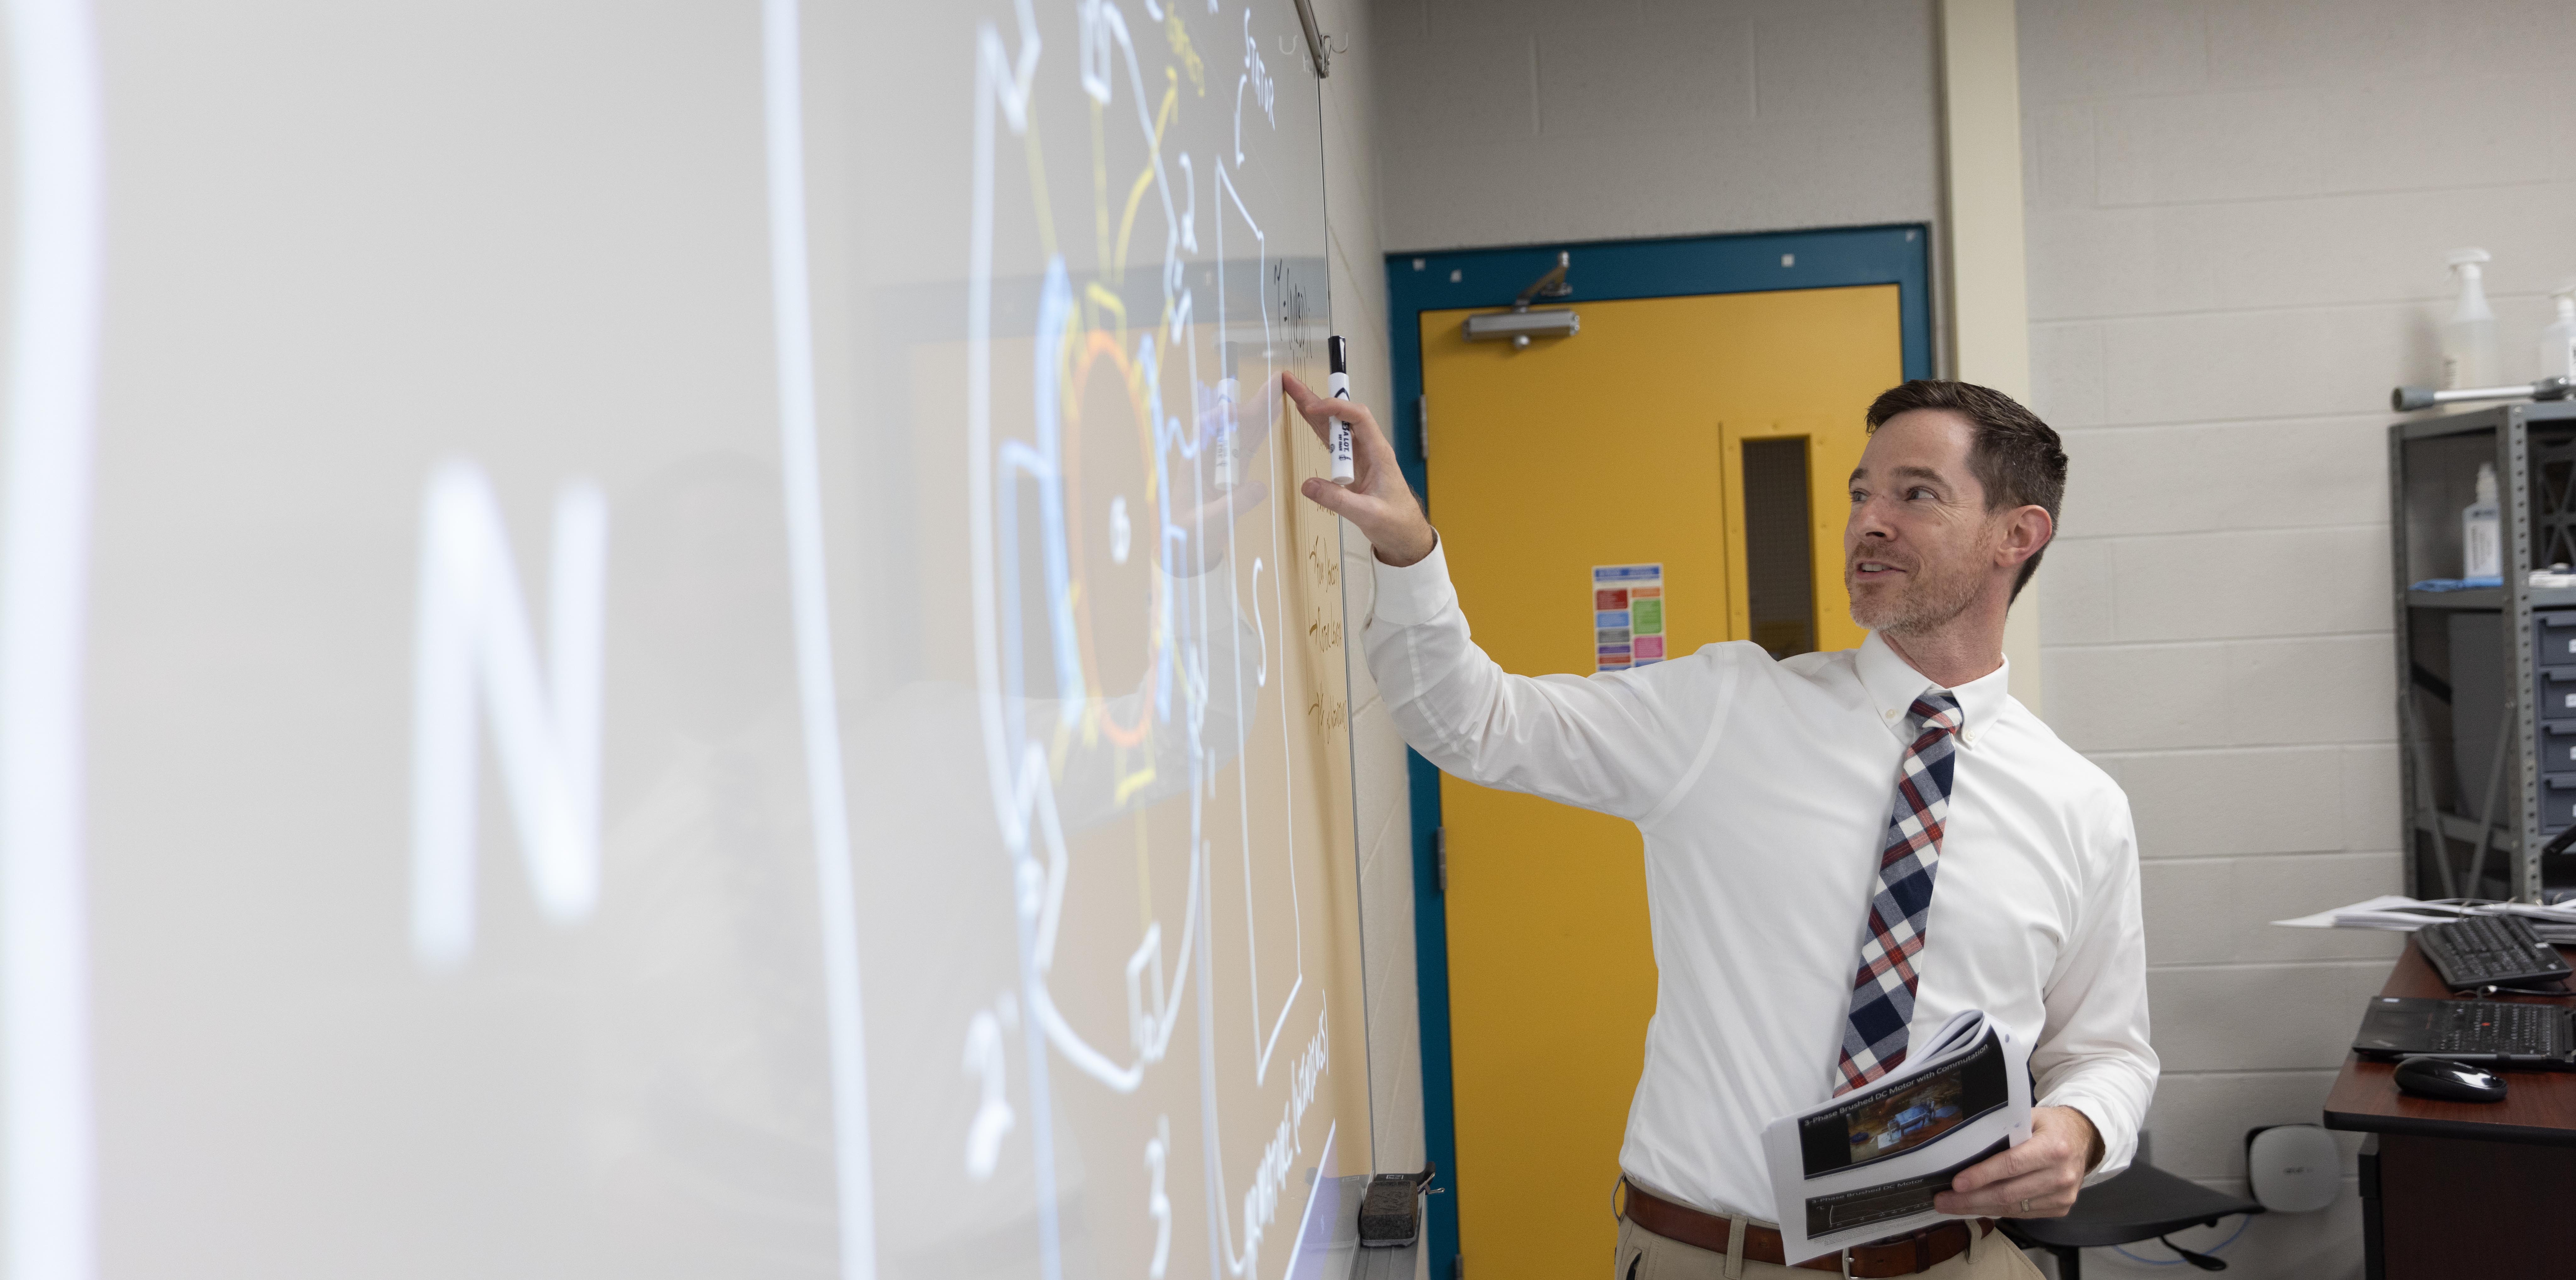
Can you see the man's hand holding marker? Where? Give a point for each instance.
(1376, 499)
(1337, 440)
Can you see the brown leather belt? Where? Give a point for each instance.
(1903, 1256)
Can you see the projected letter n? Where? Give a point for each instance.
(475, 650)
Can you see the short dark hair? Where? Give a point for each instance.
(2017, 457)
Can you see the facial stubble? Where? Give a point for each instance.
(1933, 595)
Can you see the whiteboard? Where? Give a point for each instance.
(648, 640)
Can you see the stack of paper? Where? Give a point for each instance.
(2398, 912)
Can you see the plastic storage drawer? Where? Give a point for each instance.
(2558, 746)
(2558, 693)
(2553, 639)
(2557, 803)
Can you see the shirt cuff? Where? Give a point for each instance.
(2119, 1140)
(1413, 594)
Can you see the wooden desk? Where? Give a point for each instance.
(2455, 1188)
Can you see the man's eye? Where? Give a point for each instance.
(1918, 493)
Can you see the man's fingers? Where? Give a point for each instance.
(2013, 1163)
(2041, 1171)
(2037, 1185)
(2045, 1190)
(1369, 440)
(1370, 449)
(1315, 409)
(1323, 411)
(2049, 1195)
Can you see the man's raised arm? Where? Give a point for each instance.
(1618, 743)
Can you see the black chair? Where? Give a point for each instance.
(2143, 1203)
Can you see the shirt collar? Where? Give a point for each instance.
(1893, 686)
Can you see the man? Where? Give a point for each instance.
(1799, 937)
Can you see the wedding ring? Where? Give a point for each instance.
(2025, 1206)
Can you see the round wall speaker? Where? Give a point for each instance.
(2295, 1168)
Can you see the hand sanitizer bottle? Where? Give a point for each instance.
(2481, 535)
(2468, 337)
(2558, 337)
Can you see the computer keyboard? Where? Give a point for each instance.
(2496, 1026)
(2484, 949)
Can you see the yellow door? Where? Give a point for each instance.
(1702, 434)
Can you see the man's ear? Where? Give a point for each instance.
(2027, 532)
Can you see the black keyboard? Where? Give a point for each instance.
(2484, 949)
(2495, 1026)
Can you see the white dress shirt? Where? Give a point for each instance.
(1763, 790)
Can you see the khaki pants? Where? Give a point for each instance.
(1643, 1255)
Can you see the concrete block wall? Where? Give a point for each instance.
(2237, 211)
(1532, 121)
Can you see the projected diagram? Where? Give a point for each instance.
(1132, 621)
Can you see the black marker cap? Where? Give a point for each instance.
(1341, 363)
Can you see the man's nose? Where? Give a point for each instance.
(1867, 521)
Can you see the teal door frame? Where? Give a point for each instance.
(1603, 271)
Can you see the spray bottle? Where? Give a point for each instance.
(2481, 540)
(2468, 337)
(2558, 337)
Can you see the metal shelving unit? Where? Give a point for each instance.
(2471, 724)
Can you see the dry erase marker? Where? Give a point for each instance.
(1339, 384)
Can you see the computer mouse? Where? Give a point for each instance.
(2448, 1080)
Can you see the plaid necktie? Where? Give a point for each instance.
(1882, 999)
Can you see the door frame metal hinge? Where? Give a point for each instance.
(1440, 856)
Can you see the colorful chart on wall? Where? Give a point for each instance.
(670, 640)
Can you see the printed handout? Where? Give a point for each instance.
(1868, 1163)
